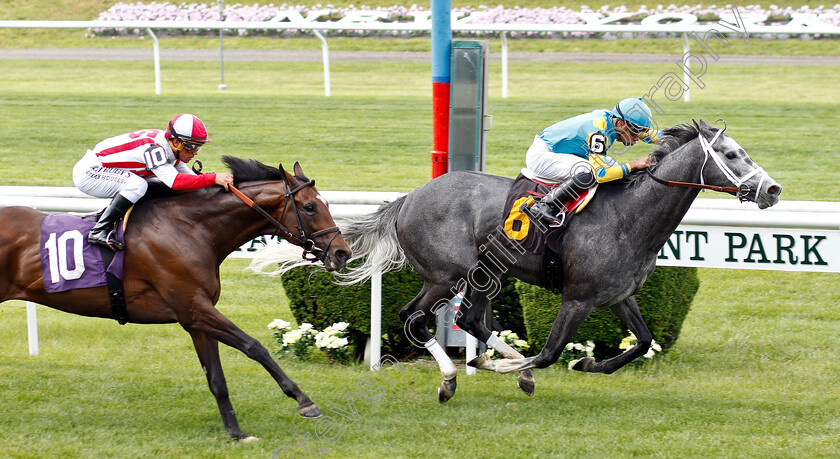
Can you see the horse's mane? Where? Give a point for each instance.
(672, 138)
(251, 170)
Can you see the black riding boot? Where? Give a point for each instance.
(104, 231)
(554, 205)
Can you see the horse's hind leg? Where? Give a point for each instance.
(471, 319)
(208, 354)
(415, 315)
(630, 316)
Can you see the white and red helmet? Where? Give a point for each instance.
(188, 129)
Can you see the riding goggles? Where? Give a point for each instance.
(192, 147)
(635, 129)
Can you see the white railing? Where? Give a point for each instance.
(687, 26)
(820, 215)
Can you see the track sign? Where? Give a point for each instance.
(773, 249)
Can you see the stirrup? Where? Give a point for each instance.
(107, 242)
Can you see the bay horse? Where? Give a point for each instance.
(450, 230)
(174, 247)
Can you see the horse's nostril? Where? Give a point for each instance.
(342, 255)
(774, 190)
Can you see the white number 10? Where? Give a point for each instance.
(57, 254)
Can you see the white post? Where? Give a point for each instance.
(686, 78)
(504, 66)
(32, 327)
(157, 60)
(222, 85)
(325, 51)
(472, 343)
(375, 319)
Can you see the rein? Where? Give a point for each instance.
(305, 238)
(741, 189)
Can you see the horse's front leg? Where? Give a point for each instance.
(215, 325)
(630, 316)
(208, 354)
(572, 313)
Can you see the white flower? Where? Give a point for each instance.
(655, 346)
(279, 324)
(489, 352)
(339, 326)
(570, 346)
(512, 337)
(505, 333)
(522, 344)
(306, 326)
(292, 337)
(579, 347)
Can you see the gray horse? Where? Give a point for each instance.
(450, 231)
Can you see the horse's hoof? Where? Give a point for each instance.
(247, 439)
(446, 390)
(526, 382)
(309, 411)
(584, 364)
(482, 362)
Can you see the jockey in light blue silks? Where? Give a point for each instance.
(573, 152)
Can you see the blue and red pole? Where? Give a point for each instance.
(441, 48)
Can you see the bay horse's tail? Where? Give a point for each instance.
(374, 238)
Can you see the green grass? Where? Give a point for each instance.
(380, 115)
(752, 375)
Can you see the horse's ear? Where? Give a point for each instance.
(703, 128)
(299, 172)
(697, 126)
(282, 171)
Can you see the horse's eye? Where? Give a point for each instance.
(309, 207)
(730, 155)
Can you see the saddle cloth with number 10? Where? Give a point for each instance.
(68, 261)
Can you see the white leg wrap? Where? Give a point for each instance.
(503, 348)
(447, 368)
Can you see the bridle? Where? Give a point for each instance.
(741, 189)
(305, 237)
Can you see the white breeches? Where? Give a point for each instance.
(548, 165)
(105, 182)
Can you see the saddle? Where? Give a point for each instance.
(525, 231)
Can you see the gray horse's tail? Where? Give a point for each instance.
(374, 238)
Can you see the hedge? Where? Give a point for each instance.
(525, 309)
(314, 298)
(664, 301)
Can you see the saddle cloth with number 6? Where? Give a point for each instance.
(525, 231)
(68, 261)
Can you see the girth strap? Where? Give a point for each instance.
(116, 292)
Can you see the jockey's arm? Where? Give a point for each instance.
(182, 181)
(652, 136)
(604, 172)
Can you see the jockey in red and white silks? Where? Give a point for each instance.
(121, 166)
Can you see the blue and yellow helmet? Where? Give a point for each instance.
(635, 112)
